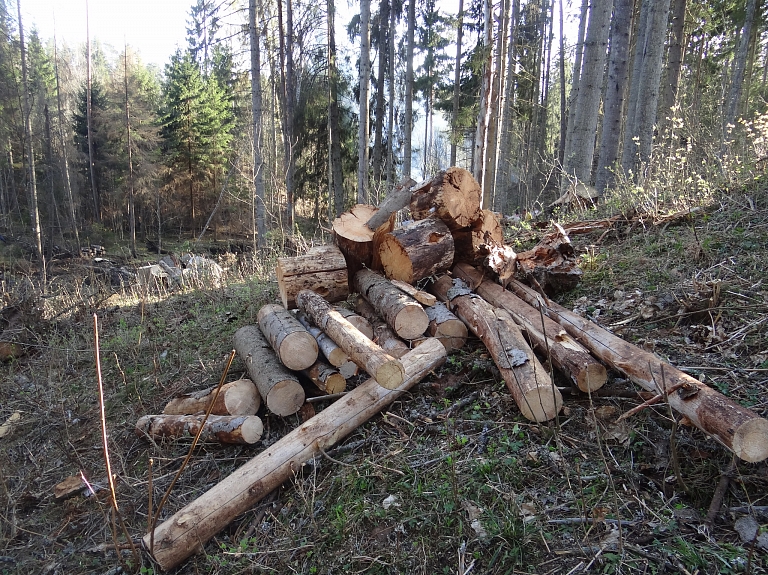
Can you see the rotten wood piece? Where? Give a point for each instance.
(322, 269)
(470, 243)
(419, 250)
(239, 429)
(356, 240)
(294, 345)
(238, 397)
(382, 334)
(551, 263)
(184, 533)
(397, 199)
(424, 298)
(402, 313)
(445, 326)
(325, 377)
(453, 196)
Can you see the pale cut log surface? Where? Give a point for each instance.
(382, 334)
(420, 250)
(332, 352)
(325, 377)
(279, 388)
(322, 269)
(402, 313)
(486, 229)
(739, 429)
(356, 320)
(547, 336)
(184, 533)
(242, 429)
(387, 370)
(445, 326)
(238, 397)
(395, 200)
(294, 345)
(453, 196)
(424, 298)
(355, 239)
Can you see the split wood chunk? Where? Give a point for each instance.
(71, 486)
(453, 196)
(547, 336)
(242, 429)
(382, 334)
(238, 397)
(421, 249)
(424, 298)
(445, 326)
(184, 533)
(739, 429)
(294, 345)
(336, 356)
(485, 230)
(356, 240)
(279, 388)
(395, 200)
(356, 320)
(322, 269)
(325, 377)
(527, 380)
(401, 312)
(387, 370)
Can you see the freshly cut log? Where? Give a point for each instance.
(279, 388)
(551, 263)
(527, 380)
(243, 429)
(424, 298)
(485, 230)
(332, 352)
(322, 269)
(294, 345)
(191, 527)
(739, 429)
(384, 368)
(356, 320)
(453, 196)
(325, 377)
(395, 200)
(421, 249)
(401, 312)
(356, 240)
(547, 336)
(238, 397)
(382, 334)
(445, 326)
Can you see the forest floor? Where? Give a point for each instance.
(450, 479)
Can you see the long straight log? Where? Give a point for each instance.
(235, 398)
(527, 380)
(356, 320)
(739, 429)
(192, 526)
(445, 326)
(547, 336)
(332, 352)
(384, 368)
(401, 312)
(242, 429)
(294, 345)
(382, 334)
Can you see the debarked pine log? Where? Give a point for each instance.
(485, 230)
(546, 335)
(445, 326)
(332, 352)
(325, 377)
(185, 533)
(424, 298)
(294, 345)
(322, 269)
(356, 320)
(527, 380)
(384, 368)
(401, 312)
(739, 429)
(279, 388)
(417, 251)
(238, 397)
(242, 429)
(453, 196)
(382, 334)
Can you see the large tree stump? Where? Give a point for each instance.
(279, 388)
(325, 377)
(382, 334)
(294, 345)
(243, 429)
(401, 312)
(356, 240)
(453, 196)
(235, 398)
(421, 249)
(485, 230)
(445, 326)
(322, 269)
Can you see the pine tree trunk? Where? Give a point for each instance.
(457, 84)
(378, 152)
(336, 185)
(674, 59)
(260, 227)
(486, 81)
(577, 66)
(363, 128)
(391, 93)
(740, 65)
(89, 123)
(407, 151)
(131, 202)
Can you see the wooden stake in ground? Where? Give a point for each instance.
(568, 355)
(294, 345)
(453, 196)
(527, 380)
(279, 388)
(739, 429)
(191, 527)
(485, 230)
(243, 429)
(421, 249)
(325, 378)
(322, 269)
(356, 240)
(235, 398)
(401, 312)
(382, 334)
(445, 326)
(387, 370)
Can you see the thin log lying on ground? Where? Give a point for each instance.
(387, 370)
(739, 429)
(401, 312)
(527, 380)
(546, 335)
(382, 334)
(325, 377)
(322, 269)
(279, 388)
(417, 251)
(235, 398)
(192, 526)
(332, 352)
(294, 345)
(395, 200)
(242, 429)
(453, 196)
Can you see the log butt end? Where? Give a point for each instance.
(592, 377)
(452, 334)
(336, 383)
(750, 441)
(242, 398)
(285, 398)
(251, 429)
(411, 322)
(541, 404)
(390, 374)
(299, 350)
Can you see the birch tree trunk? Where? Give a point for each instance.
(260, 228)
(365, 73)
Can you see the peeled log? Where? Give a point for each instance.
(242, 429)
(455, 196)
(384, 368)
(235, 398)
(424, 298)
(356, 240)
(356, 320)
(527, 380)
(382, 335)
(325, 377)
(322, 269)
(445, 326)
(279, 388)
(739, 429)
(294, 345)
(184, 533)
(422, 249)
(486, 229)
(401, 312)
(332, 352)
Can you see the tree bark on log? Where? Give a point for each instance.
(486, 229)
(546, 335)
(322, 269)
(395, 201)
(739, 429)
(332, 352)
(424, 298)
(279, 388)
(356, 240)
(384, 368)
(422, 249)
(294, 345)
(356, 320)
(382, 334)
(235, 398)
(401, 312)
(445, 326)
(191, 527)
(240, 429)
(325, 377)
(453, 196)
(527, 380)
